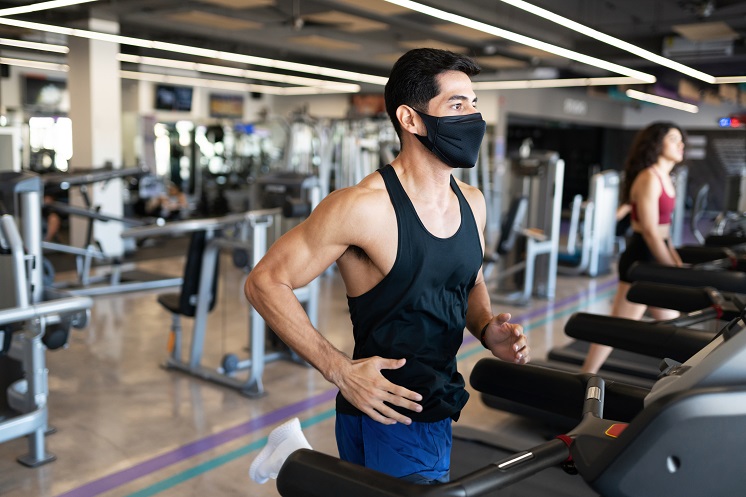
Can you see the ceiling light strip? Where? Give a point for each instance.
(730, 79)
(525, 40)
(667, 102)
(34, 64)
(53, 4)
(224, 85)
(553, 83)
(33, 45)
(616, 42)
(237, 72)
(200, 82)
(201, 52)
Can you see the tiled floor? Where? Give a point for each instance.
(127, 427)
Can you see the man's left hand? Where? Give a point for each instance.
(506, 340)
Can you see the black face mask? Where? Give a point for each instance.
(454, 139)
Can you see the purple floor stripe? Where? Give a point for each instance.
(567, 300)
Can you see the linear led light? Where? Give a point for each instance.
(201, 82)
(668, 102)
(34, 64)
(33, 45)
(616, 42)
(237, 72)
(225, 85)
(208, 83)
(553, 83)
(730, 79)
(201, 52)
(525, 40)
(53, 4)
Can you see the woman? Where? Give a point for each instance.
(649, 191)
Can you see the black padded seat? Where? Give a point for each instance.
(184, 302)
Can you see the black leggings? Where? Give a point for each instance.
(636, 251)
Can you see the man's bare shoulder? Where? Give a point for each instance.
(470, 192)
(358, 203)
(474, 196)
(366, 194)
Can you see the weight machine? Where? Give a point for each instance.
(537, 180)
(246, 235)
(116, 280)
(590, 239)
(32, 318)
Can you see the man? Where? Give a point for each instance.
(408, 242)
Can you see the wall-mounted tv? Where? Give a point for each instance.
(227, 106)
(42, 94)
(176, 98)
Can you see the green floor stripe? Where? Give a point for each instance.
(218, 461)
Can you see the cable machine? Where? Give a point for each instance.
(537, 179)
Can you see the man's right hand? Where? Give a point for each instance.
(363, 385)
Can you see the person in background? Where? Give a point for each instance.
(171, 206)
(408, 242)
(650, 195)
(52, 222)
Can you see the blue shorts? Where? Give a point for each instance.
(420, 452)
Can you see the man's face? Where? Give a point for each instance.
(456, 96)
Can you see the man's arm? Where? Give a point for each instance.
(292, 262)
(505, 340)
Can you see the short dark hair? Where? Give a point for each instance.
(413, 78)
(646, 147)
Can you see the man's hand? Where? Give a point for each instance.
(506, 340)
(366, 388)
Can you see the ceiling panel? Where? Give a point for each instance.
(346, 22)
(213, 20)
(465, 32)
(377, 7)
(324, 43)
(706, 31)
(431, 43)
(499, 62)
(240, 4)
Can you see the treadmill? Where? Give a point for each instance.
(686, 439)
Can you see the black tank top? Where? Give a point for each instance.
(418, 310)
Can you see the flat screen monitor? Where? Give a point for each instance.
(226, 106)
(45, 94)
(176, 98)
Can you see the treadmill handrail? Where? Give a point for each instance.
(728, 281)
(307, 473)
(648, 338)
(207, 224)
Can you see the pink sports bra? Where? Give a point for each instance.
(666, 204)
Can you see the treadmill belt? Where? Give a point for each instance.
(467, 456)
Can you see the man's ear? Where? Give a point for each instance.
(410, 121)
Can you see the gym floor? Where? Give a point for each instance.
(127, 427)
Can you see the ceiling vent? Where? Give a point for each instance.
(676, 47)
